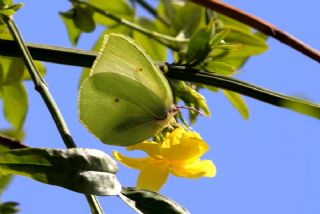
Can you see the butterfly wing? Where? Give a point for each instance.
(125, 99)
(120, 54)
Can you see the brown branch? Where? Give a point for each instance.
(260, 25)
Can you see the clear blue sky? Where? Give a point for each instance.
(268, 164)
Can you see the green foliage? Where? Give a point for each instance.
(199, 47)
(154, 49)
(7, 8)
(87, 171)
(4, 179)
(216, 43)
(15, 104)
(147, 202)
(83, 17)
(73, 32)
(119, 7)
(134, 112)
(237, 101)
(9, 208)
(12, 90)
(191, 98)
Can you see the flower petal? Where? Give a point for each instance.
(153, 176)
(149, 147)
(183, 145)
(196, 169)
(135, 163)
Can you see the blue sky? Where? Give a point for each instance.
(267, 164)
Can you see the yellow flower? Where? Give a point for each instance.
(178, 154)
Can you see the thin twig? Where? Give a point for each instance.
(42, 88)
(169, 41)
(68, 56)
(244, 88)
(152, 11)
(260, 25)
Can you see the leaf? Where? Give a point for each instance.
(9, 208)
(73, 32)
(83, 17)
(237, 101)
(249, 43)
(40, 68)
(88, 171)
(13, 133)
(148, 202)
(6, 3)
(156, 50)
(191, 98)
(300, 107)
(216, 40)
(15, 104)
(8, 8)
(220, 68)
(118, 7)
(4, 182)
(14, 72)
(4, 179)
(187, 18)
(198, 47)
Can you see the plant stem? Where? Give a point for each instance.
(152, 11)
(169, 41)
(71, 56)
(42, 88)
(244, 88)
(260, 25)
(11, 143)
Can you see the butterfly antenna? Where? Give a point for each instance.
(192, 109)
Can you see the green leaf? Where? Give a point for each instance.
(251, 43)
(220, 68)
(188, 17)
(13, 133)
(237, 101)
(191, 98)
(15, 104)
(198, 48)
(216, 40)
(8, 8)
(40, 68)
(4, 179)
(148, 202)
(156, 50)
(88, 171)
(301, 108)
(6, 3)
(73, 32)
(118, 7)
(14, 72)
(232, 22)
(9, 208)
(4, 182)
(83, 17)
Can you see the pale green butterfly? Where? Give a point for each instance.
(125, 99)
